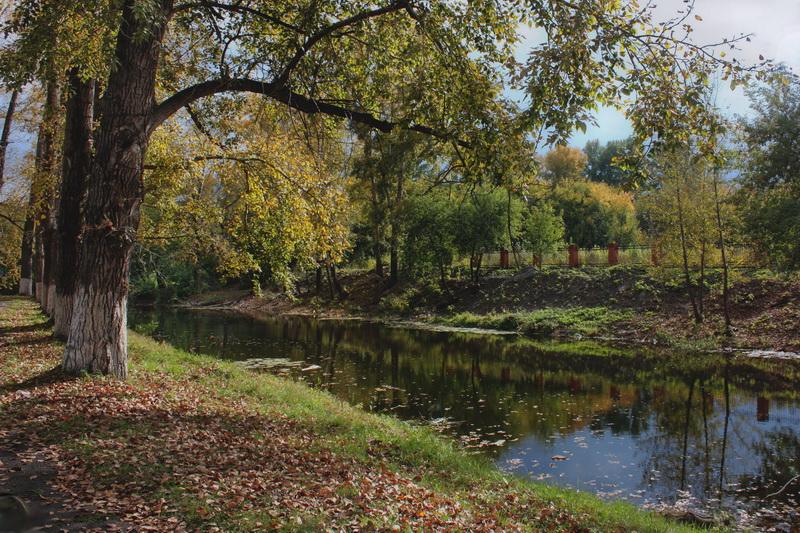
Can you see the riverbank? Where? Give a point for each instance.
(195, 443)
(618, 304)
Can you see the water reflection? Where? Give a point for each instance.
(646, 428)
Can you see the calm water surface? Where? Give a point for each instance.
(650, 428)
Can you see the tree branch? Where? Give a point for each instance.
(307, 105)
(325, 32)
(236, 8)
(12, 221)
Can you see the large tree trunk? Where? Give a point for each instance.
(38, 263)
(51, 260)
(12, 105)
(98, 330)
(46, 156)
(26, 256)
(76, 165)
(35, 241)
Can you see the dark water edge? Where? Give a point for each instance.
(720, 432)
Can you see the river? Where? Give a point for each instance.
(715, 432)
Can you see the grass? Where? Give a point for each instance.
(544, 323)
(376, 443)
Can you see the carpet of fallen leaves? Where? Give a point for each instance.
(167, 453)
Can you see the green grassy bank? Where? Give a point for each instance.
(195, 443)
(545, 323)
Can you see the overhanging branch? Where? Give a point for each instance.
(307, 105)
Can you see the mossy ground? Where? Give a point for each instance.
(194, 443)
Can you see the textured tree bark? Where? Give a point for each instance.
(12, 105)
(26, 259)
(75, 169)
(98, 330)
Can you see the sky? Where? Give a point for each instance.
(775, 25)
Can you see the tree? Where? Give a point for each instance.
(605, 163)
(542, 230)
(595, 214)
(564, 163)
(770, 180)
(36, 233)
(428, 235)
(298, 49)
(389, 162)
(256, 207)
(690, 219)
(76, 162)
(480, 226)
(12, 215)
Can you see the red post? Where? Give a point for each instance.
(537, 261)
(573, 256)
(504, 258)
(654, 254)
(613, 253)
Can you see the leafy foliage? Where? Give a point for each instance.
(596, 214)
(262, 204)
(428, 235)
(542, 229)
(771, 179)
(480, 225)
(564, 163)
(12, 216)
(606, 162)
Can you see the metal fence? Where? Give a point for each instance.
(646, 256)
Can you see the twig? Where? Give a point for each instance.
(784, 487)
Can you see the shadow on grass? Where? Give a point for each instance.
(30, 328)
(54, 375)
